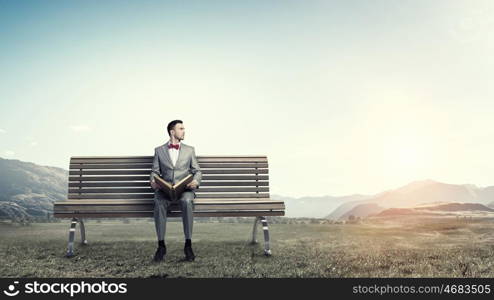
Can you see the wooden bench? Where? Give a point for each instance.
(118, 186)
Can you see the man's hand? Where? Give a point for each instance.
(154, 185)
(193, 184)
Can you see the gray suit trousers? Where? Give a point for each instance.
(160, 207)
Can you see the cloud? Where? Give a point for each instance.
(79, 128)
(2, 131)
(33, 143)
(9, 153)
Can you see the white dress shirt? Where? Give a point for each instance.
(174, 153)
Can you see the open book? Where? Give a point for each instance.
(173, 191)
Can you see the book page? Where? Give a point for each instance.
(163, 184)
(180, 187)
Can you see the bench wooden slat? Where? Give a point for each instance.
(109, 172)
(148, 166)
(148, 156)
(146, 184)
(150, 190)
(98, 202)
(109, 178)
(151, 201)
(234, 177)
(229, 207)
(148, 171)
(150, 207)
(151, 196)
(150, 160)
(147, 214)
(246, 195)
(148, 201)
(205, 178)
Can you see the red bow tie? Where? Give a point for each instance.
(173, 146)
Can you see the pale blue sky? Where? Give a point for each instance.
(346, 96)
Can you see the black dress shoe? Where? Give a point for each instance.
(160, 253)
(189, 254)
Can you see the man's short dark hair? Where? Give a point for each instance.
(172, 124)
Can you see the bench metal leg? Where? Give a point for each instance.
(254, 232)
(83, 232)
(265, 230)
(73, 224)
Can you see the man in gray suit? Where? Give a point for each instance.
(173, 161)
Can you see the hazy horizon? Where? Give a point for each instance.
(349, 97)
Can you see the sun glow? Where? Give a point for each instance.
(406, 153)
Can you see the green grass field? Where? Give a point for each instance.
(418, 248)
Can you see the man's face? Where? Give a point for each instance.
(179, 131)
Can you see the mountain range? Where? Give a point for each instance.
(421, 195)
(28, 189)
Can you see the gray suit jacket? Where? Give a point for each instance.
(186, 164)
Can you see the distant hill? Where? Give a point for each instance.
(27, 189)
(456, 207)
(429, 191)
(419, 193)
(314, 207)
(435, 209)
(341, 210)
(490, 204)
(390, 212)
(362, 210)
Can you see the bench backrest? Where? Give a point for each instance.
(235, 185)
